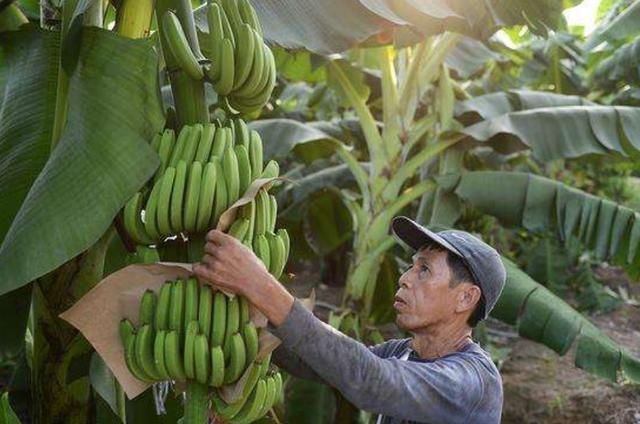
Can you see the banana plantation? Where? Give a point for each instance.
(131, 129)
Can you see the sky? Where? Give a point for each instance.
(584, 14)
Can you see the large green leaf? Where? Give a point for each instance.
(543, 317)
(624, 25)
(622, 67)
(536, 203)
(552, 126)
(102, 158)
(26, 118)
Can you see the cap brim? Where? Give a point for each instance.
(416, 236)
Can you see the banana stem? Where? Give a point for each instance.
(120, 403)
(134, 18)
(197, 404)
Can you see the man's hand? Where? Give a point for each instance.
(231, 266)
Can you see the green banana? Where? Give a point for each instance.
(226, 26)
(273, 212)
(176, 308)
(270, 399)
(191, 300)
(258, 70)
(233, 324)
(162, 309)
(278, 377)
(276, 251)
(237, 359)
(173, 358)
(221, 199)
(147, 308)
(219, 323)
(214, 69)
(133, 222)
(253, 405)
(164, 200)
(248, 15)
(178, 46)
(130, 359)
(150, 224)
(255, 154)
(201, 345)
(224, 84)
(248, 211)
(126, 331)
(180, 144)
(192, 197)
(284, 235)
(216, 376)
(144, 351)
(192, 142)
(244, 55)
(177, 197)
(263, 211)
(230, 8)
(231, 175)
(250, 335)
(158, 355)
(239, 228)
(207, 193)
(265, 88)
(271, 170)
(205, 309)
(206, 142)
(244, 311)
(241, 132)
(261, 247)
(214, 20)
(155, 142)
(220, 141)
(189, 349)
(244, 168)
(167, 144)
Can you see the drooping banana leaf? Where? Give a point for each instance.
(623, 66)
(545, 318)
(626, 24)
(552, 126)
(536, 203)
(114, 110)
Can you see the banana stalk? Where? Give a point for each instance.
(134, 18)
(197, 404)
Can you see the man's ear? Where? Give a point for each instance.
(468, 297)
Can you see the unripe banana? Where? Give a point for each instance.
(191, 143)
(271, 170)
(241, 133)
(254, 404)
(177, 198)
(233, 15)
(214, 20)
(244, 168)
(244, 55)
(233, 324)
(258, 70)
(226, 26)
(276, 251)
(270, 399)
(220, 141)
(244, 311)
(231, 175)
(214, 69)
(248, 15)
(255, 154)
(216, 377)
(250, 335)
(207, 193)
(264, 90)
(221, 201)
(150, 224)
(162, 309)
(155, 142)
(126, 330)
(144, 351)
(167, 144)
(284, 235)
(261, 247)
(192, 197)
(205, 309)
(219, 323)
(206, 142)
(273, 212)
(164, 201)
(224, 84)
(239, 228)
(176, 308)
(201, 345)
(158, 355)
(147, 310)
(191, 300)
(248, 211)
(132, 364)
(263, 212)
(237, 359)
(179, 146)
(178, 46)
(173, 358)
(133, 222)
(278, 378)
(189, 349)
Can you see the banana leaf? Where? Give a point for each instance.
(543, 317)
(626, 24)
(621, 67)
(536, 203)
(552, 126)
(114, 110)
(7, 415)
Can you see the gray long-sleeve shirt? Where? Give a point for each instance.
(463, 387)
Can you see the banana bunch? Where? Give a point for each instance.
(242, 67)
(202, 172)
(188, 332)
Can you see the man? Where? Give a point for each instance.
(438, 376)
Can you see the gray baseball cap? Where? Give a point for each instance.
(482, 260)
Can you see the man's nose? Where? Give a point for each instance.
(403, 281)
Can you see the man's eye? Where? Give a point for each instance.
(424, 268)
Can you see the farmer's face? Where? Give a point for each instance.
(424, 297)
